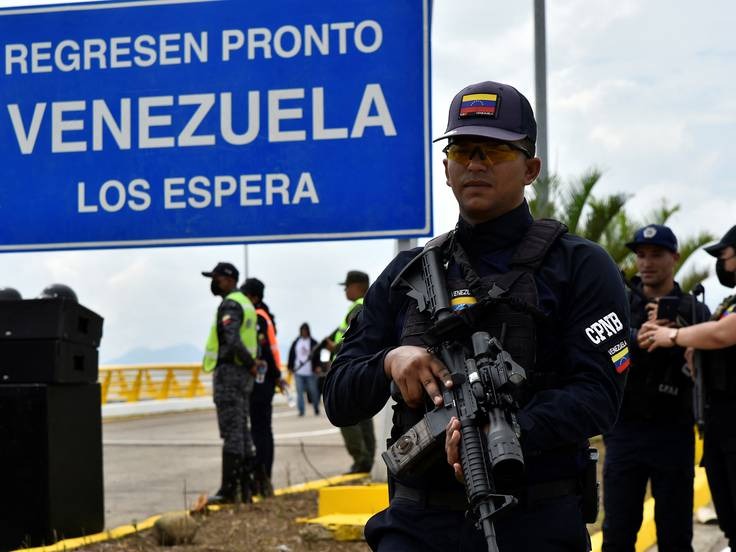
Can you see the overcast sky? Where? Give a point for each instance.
(642, 89)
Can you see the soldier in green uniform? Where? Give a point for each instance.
(360, 439)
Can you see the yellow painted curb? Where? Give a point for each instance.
(127, 530)
(353, 499)
(344, 527)
(112, 534)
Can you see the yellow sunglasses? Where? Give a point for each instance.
(491, 153)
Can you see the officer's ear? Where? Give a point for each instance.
(533, 166)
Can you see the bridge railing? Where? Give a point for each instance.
(137, 382)
(140, 382)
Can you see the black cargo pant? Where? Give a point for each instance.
(642, 452)
(261, 413)
(233, 386)
(719, 459)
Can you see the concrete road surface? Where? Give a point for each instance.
(161, 462)
(158, 463)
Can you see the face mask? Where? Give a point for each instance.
(215, 288)
(726, 278)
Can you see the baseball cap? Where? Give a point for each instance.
(223, 269)
(492, 110)
(654, 234)
(729, 238)
(355, 277)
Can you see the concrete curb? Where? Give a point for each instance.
(127, 530)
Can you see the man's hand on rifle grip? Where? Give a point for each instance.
(452, 448)
(415, 371)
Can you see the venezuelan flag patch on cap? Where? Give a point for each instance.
(479, 105)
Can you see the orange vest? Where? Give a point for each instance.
(274, 344)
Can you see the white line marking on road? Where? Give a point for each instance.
(212, 442)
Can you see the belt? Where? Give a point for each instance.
(551, 489)
(436, 498)
(456, 501)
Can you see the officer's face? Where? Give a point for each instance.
(222, 284)
(728, 255)
(354, 291)
(484, 189)
(656, 265)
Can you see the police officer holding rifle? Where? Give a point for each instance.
(505, 327)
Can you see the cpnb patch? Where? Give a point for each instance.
(604, 328)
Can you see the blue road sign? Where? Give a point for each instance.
(174, 122)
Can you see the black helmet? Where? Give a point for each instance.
(58, 291)
(9, 294)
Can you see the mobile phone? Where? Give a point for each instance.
(668, 307)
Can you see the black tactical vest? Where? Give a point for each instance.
(719, 365)
(658, 386)
(513, 315)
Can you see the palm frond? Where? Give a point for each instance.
(689, 246)
(578, 197)
(602, 212)
(692, 277)
(547, 209)
(615, 236)
(660, 214)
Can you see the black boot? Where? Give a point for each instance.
(228, 493)
(262, 483)
(247, 481)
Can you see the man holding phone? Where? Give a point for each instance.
(653, 439)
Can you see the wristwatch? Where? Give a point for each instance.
(673, 335)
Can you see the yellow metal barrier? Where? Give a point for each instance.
(131, 383)
(136, 382)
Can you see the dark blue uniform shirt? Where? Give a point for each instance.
(584, 341)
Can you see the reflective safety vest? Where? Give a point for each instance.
(345, 324)
(248, 332)
(271, 336)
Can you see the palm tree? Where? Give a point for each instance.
(605, 220)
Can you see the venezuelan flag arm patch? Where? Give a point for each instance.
(479, 105)
(620, 357)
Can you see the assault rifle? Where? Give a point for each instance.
(481, 397)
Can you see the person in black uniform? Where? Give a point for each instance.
(653, 440)
(231, 351)
(261, 401)
(566, 322)
(715, 342)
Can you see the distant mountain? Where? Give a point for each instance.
(184, 352)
